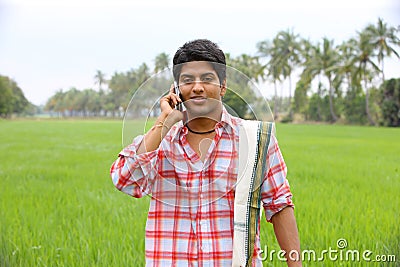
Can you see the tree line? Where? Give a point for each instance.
(334, 81)
(312, 80)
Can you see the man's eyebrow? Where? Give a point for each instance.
(203, 74)
(208, 73)
(186, 75)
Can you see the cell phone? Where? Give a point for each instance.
(176, 88)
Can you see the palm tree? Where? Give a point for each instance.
(347, 66)
(273, 72)
(266, 50)
(330, 60)
(313, 67)
(161, 62)
(384, 40)
(283, 56)
(286, 56)
(100, 79)
(365, 53)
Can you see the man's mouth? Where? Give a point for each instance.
(198, 99)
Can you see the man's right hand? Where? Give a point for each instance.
(168, 117)
(169, 114)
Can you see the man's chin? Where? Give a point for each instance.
(204, 112)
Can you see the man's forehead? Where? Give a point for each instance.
(197, 67)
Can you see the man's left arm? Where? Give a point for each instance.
(286, 233)
(278, 205)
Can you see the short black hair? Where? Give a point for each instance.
(200, 50)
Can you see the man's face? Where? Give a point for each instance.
(200, 88)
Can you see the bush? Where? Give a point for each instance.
(390, 102)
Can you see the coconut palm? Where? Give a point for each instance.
(273, 72)
(286, 56)
(384, 40)
(312, 67)
(100, 79)
(347, 65)
(161, 62)
(330, 59)
(366, 66)
(283, 56)
(266, 50)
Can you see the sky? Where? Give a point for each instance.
(47, 45)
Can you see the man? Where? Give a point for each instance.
(188, 163)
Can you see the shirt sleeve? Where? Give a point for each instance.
(275, 190)
(134, 174)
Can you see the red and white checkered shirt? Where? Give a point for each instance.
(190, 220)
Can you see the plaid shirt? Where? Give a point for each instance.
(190, 220)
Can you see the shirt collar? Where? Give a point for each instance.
(226, 120)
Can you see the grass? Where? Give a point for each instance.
(346, 182)
(59, 208)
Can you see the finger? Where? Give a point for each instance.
(176, 99)
(172, 88)
(166, 104)
(172, 99)
(167, 99)
(172, 91)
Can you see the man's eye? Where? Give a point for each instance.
(187, 80)
(208, 79)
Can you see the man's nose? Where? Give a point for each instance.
(198, 86)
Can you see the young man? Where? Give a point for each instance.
(188, 163)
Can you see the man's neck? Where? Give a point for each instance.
(204, 123)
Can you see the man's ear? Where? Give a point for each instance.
(223, 88)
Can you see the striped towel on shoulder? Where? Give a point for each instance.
(254, 140)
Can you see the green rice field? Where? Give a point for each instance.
(58, 206)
